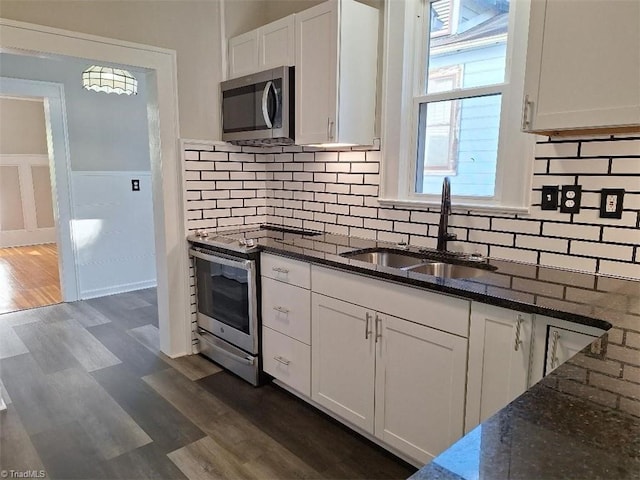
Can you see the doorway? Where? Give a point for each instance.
(29, 264)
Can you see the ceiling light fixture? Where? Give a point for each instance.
(109, 80)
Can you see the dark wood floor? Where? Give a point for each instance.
(91, 397)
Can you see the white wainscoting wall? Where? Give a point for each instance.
(26, 214)
(113, 232)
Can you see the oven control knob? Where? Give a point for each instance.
(242, 241)
(204, 234)
(250, 242)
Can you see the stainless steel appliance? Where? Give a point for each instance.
(258, 109)
(227, 310)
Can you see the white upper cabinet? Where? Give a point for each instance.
(499, 354)
(243, 54)
(336, 69)
(267, 47)
(276, 45)
(583, 66)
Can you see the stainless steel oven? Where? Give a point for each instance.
(227, 310)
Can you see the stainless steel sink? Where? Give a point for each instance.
(419, 263)
(386, 258)
(449, 270)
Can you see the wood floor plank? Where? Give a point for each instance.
(10, 343)
(128, 310)
(194, 367)
(90, 352)
(16, 450)
(33, 394)
(68, 453)
(166, 426)
(208, 460)
(4, 394)
(34, 277)
(146, 462)
(134, 355)
(51, 356)
(109, 427)
(86, 315)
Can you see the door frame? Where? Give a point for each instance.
(174, 309)
(55, 115)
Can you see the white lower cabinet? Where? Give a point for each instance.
(398, 380)
(499, 355)
(420, 387)
(343, 359)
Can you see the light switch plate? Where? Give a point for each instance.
(549, 200)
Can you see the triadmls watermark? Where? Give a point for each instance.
(23, 473)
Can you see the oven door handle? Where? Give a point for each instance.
(244, 264)
(246, 359)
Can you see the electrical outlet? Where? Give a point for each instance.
(611, 202)
(549, 200)
(135, 185)
(570, 198)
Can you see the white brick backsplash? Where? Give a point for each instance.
(515, 254)
(555, 150)
(517, 226)
(578, 166)
(336, 191)
(542, 243)
(596, 249)
(619, 269)
(413, 228)
(493, 238)
(567, 261)
(352, 157)
(620, 148)
(622, 235)
(567, 230)
(625, 165)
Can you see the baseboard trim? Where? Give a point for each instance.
(24, 238)
(127, 287)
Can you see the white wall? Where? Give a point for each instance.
(22, 127)
(190, 27)
(106, 132)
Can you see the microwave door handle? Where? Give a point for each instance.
(265, 104)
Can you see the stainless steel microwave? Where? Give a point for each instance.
(258, 109)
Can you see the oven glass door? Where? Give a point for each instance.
(224, 293)
(251, 108)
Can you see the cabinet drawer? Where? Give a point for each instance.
(286, 270)
(287, 360)
(287, 309)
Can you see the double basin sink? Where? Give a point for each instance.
(428, 264)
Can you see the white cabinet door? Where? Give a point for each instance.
(287, 359)
(343, 360)
(420, 387)
(316, 31)
(563, 344)
(583, 65)
(243, 54)
(276, 43)
(547, 350)
(499, 354)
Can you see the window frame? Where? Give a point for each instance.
(406, 26)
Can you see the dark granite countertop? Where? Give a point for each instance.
(580, 421)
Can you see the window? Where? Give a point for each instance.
(461, 104)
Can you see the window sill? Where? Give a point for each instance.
(424, 205)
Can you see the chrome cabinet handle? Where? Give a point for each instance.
(527, 108)
(518, 342)
(282, 360)
(329, 128)
(281, 309)
(378, 332)
(367, 317)
(280, 270)
(554, 349)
